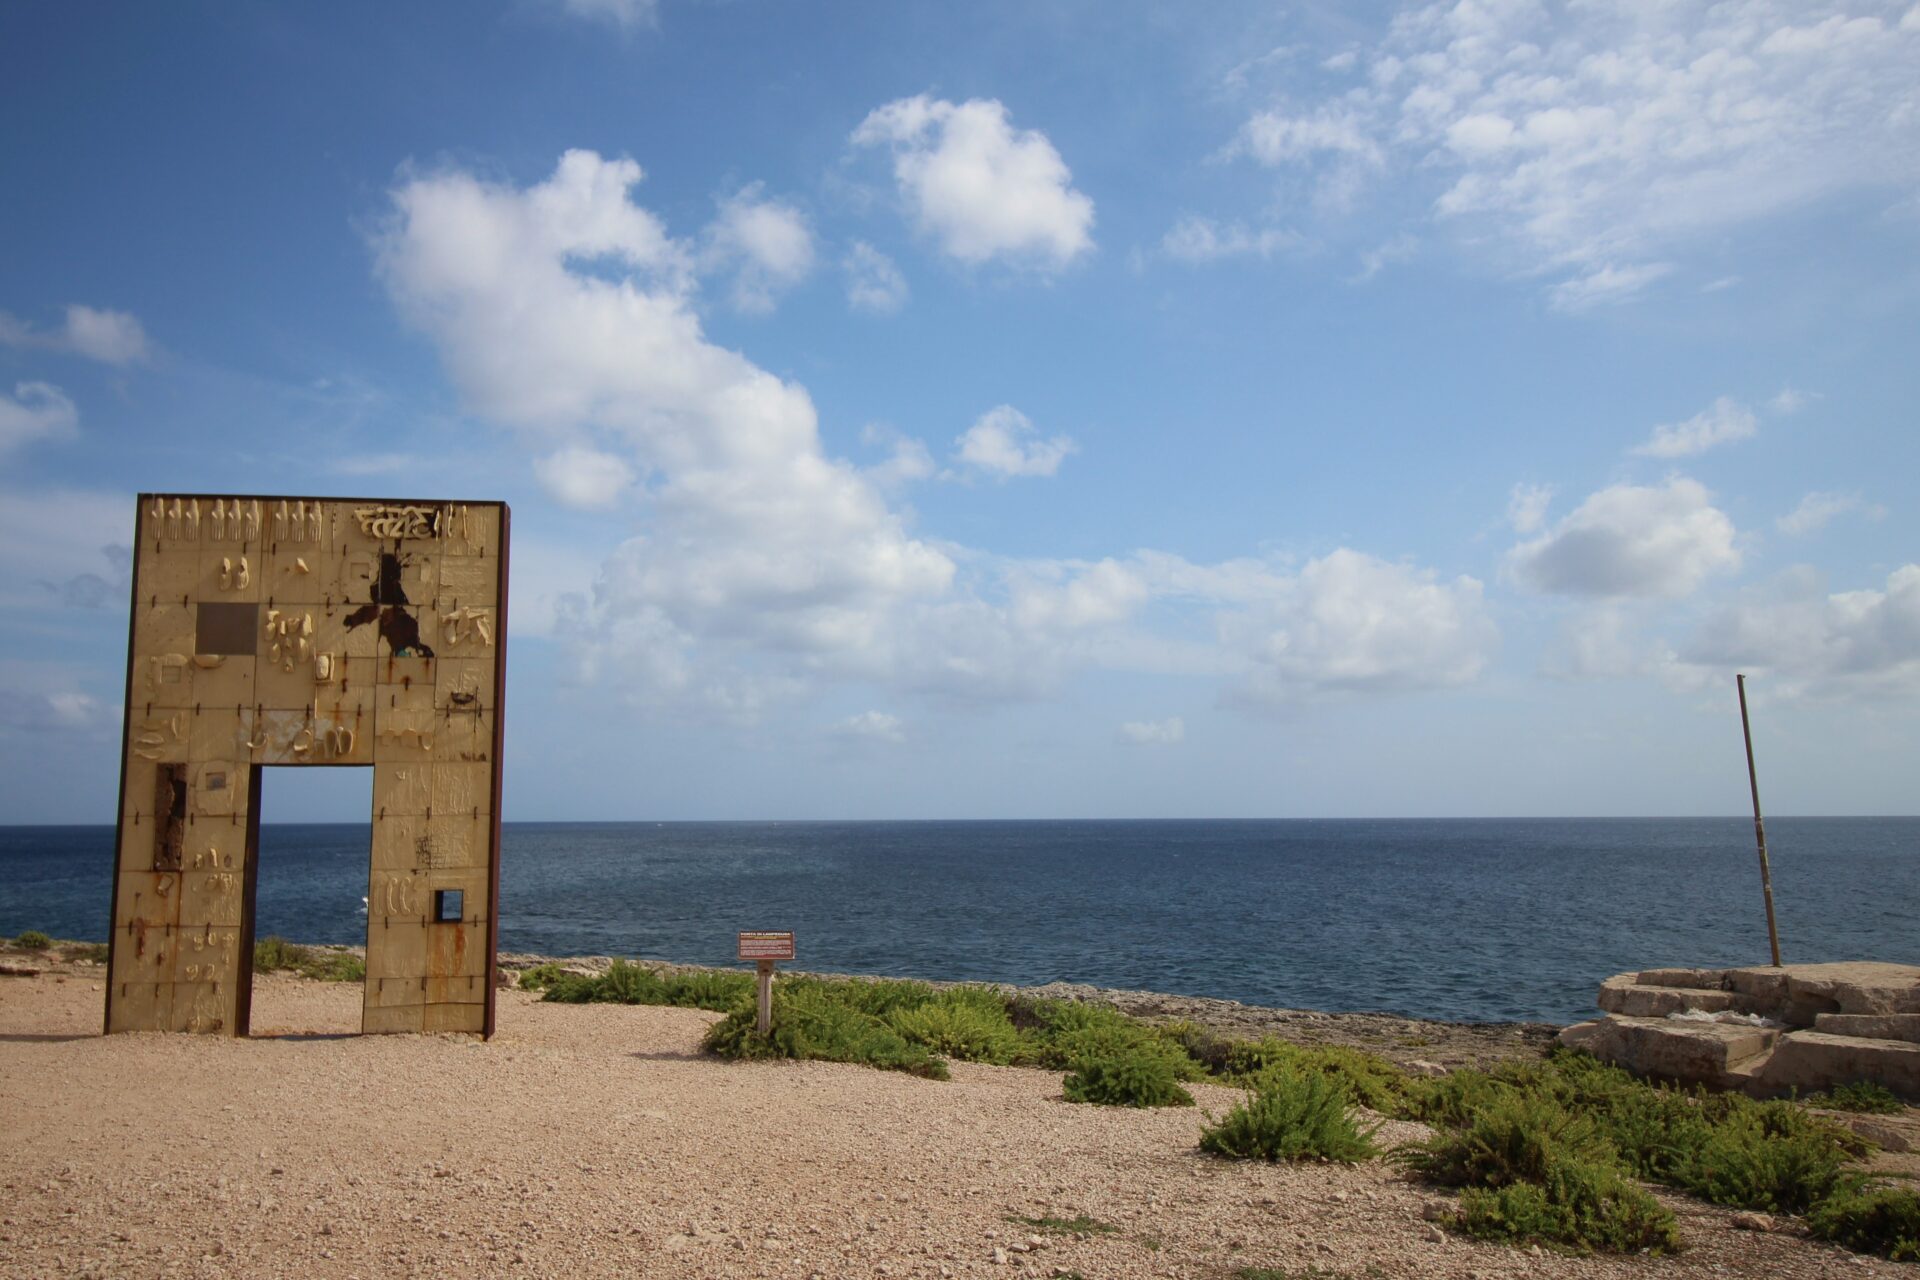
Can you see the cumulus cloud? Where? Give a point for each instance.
(766, 244)
(1853, 643)
(35, 411)
(65, 548)
(1631, 540)
(111, 337)
(981, 188)
(1197, 239)
(1352, 623)
(564, 307)
(874, 283)
(1153, 733)
(1527, 506)
(1003, 442)
(872, 726)
(1592, 143)
(584, 478)
(767, 569)
(1820, 507)
(1719, 423)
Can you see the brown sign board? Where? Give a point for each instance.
(766, 946)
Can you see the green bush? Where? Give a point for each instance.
(713, 991)
(1870, 1218)
(273, 953)
(1745, 1165)
(1371, 1081)
(969, 1023)
(1861, 1096)
(824, 1019)
(540, 977)
(1516, 1138)
(1063, 1034)
(1126, 1078)
(91, 952)
(1580, 1205)
(33, 940)
(1291, 1115)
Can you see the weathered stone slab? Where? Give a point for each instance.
(1621, 995)
(1884, 1026)
(1696, 978)
(1809, 1060)
(1695, 1052)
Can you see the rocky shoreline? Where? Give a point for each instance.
(1422, 1045)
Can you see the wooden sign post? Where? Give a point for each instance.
(764, 949)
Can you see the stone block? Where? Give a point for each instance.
(1885, 1026)
(1810, 1060)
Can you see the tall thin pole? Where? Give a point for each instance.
(1759, 826)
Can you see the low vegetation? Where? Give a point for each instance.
(277, 954)
(1552, 1151)
(33, 940)
(1863, 1096)
(1076, 1226)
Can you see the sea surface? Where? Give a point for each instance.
(1467, 919)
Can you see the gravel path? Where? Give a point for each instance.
(596, 1140)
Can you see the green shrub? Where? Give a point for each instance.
(1740, 1163)
(1516, 1138)
(1371, 1081)
(1291, 1115)
(33, 940)
(336, 966)
(540, 977)
(1063, 1034)
(714, 991)
(89, 952)
(969, 1023)
(1870, 1218)
(273, 953)
(1581, 1205)
(1128, 1077)
(1452, 1099)
(823, 1019)
(1861, 1096)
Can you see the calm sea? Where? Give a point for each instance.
(1461, 919)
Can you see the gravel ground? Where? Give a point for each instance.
(596, 1140)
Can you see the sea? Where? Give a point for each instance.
(1476, 920)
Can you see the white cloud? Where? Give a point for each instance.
(981, 188)
(64, 547)
(1527, 506)
(1352, 623)
(1631, 540)
(765, 569)
(755, 541)
(111, 337)
(1606, 284)
(625, 14)
(1197, 239)
(35, 411)
(1789, 401)
(1810, 643)
(875, 726)
(1004, 443)
(584, 478)
(874, 283)
(1594, 143)
(1397, 248)
(907, 458)
(61, 711)
(1721, 422)
(766, 244)
(1153, 733)
(1819, 507)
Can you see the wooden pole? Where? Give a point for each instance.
(763, 974)
(1759, 826)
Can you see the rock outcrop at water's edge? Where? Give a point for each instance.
(1763, 1030)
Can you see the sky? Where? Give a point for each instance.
(1090, 409)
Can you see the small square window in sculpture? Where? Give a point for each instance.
(226, 629)
(446, 905)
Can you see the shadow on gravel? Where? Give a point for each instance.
(672, 1055)
(29, 1037)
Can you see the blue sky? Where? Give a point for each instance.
(1089, 409)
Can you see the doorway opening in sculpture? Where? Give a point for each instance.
(310, 889)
